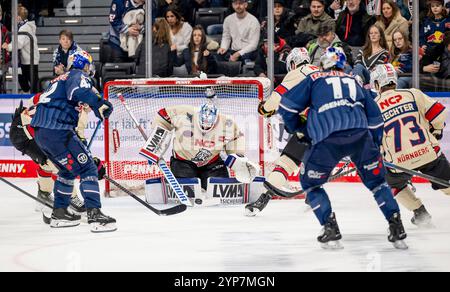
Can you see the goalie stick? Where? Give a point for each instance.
(161, 162)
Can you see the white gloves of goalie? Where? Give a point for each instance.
(244, 169)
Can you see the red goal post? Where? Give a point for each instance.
(236, 97)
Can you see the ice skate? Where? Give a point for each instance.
(99, 222)
(45, 197)
(397, 232)
(330, 238)
(422, 218)
(254, 208)
(61, 218)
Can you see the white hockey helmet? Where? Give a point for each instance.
(384, 75)
(297, 56)
(208, 115)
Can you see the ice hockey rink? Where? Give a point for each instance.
(221, 239)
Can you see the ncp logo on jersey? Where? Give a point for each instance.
(5, 127)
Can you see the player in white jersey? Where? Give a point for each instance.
(200, 136)
(413, 127)
(298, 66)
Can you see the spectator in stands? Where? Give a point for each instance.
(4, 38)
(181, 31)
(24, 45)
(301, 8)
(283, 20)
(66, 48)
(353, 23)
(401, 57)
(281, 51)
(197, 57)
(312, 22)
(326, 38)
(434, 26)
(335, 7)
(241, 32)
(374, 52)
(119, 8)
(391, 20)
(437, 61)
(164, 53)
(405, 7)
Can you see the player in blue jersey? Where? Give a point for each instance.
(343, 120)
(56, 117)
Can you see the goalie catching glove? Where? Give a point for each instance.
(244, 169)
(157, 144)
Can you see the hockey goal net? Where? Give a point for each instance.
(236, 97)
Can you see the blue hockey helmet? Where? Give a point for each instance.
(79, 60)
(208, 116)
(333, 57)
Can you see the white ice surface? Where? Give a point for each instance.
(281, 238)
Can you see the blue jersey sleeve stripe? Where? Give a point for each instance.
(288, 109)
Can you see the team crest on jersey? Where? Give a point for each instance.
(82, 158)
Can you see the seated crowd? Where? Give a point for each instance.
(370, 32)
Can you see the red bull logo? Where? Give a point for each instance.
(436, 38)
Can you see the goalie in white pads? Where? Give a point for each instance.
(297, 63)
(413, 127)
(200, 136)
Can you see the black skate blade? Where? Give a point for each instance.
(400, 244)
(171, 211)
(332, 245)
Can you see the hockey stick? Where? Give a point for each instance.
(165, 212)
(419, 174)
(161, 162)
(287, 194)
(45, 218)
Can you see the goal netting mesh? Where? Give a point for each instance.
(236, 97)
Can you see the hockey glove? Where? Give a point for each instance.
(100, 168)
(263, 112)
(436, 133)
(104, 110)
(244, 169)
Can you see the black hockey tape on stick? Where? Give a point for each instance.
(45, 218)
(165, 212)
(419, 174)
(287, 194)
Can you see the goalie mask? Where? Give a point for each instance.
(207, 117)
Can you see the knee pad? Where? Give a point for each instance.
(408, 199)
